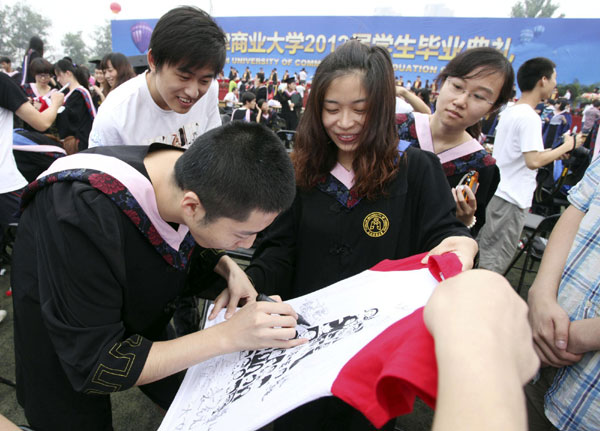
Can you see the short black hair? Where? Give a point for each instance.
(532, 71)
(5, 60)
(237, 168)
(40, 65)
(189, 38)
(247, 96)
(596, 103)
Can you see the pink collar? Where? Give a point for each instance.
(137, 184)
(423, 130)
(344, 176)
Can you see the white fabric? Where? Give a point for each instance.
(246, 390)
(519, 131)
(10, 177)
(129, 116)
(403, 107)
(230, 99)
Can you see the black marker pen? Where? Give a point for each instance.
(264, 298)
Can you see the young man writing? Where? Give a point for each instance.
(106, 242)
(519, 152)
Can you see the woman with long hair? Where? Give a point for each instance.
(475, 83)
(100, 88)
(359, 200)
(117, 69)
(34, 50)
(75, 122)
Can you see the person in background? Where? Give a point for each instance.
(231, 100)
(42, 70)
(75, 122)
(268, 117)
(291, 104)
(246, 112)
(358, 201)
(590, 116)
(475, 83)
(100, 88)
(34, 50)
(6, 67)
(117, 69)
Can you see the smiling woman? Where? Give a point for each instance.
(117, 69)
(359, 201)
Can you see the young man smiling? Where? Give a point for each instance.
(177, 99)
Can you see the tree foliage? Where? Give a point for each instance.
(534, 9)
(19, 23)
(75, 47)
(102, 41)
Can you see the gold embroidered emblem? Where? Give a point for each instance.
(376, 224)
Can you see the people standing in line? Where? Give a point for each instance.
(519, 152)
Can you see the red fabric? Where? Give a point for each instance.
(383, 379)
(441, 266)
(383, 387)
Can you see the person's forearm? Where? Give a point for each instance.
(170, 357)
(555, 254)
(413, 100)
(537, 159)
(225, 266)
(482, 394)
(584, 336)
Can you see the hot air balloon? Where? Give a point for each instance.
(115, 7)
(526, 36)
(538, 30)
(140, 34)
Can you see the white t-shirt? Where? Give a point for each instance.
(519, 131)
(129, 116)
(230, 99)
(302, 75)
(403, 107)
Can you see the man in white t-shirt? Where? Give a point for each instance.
(519, 152)
(177, 99)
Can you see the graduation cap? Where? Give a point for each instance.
(96, 62)
(289, 80)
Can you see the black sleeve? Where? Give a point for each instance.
(82, 271)
(11, 96)
(272, 267)
(67, 122)
(434, 201)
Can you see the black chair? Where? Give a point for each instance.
(533, 246)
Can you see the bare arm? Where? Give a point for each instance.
(484, 353)
(414, 100)
(537, 159)
(549, 321)
(41, 120)
(464, 247)
(257, 325)
(584, 336)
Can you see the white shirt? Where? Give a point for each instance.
(129, 116)
(402, 106)
(519, 131)
(10, 177)
(302, 75)
(230, 99)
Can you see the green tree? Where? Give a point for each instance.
(534, 9)
(102, 41)
(19, 23)
(75, 47)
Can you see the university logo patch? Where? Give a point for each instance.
(376, 224)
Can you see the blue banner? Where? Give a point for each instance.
(419, 46)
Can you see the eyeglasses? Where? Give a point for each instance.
(43, 75)
(458, 88)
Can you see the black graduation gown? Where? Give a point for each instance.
(91, 293)
(320, 241)
(75, 120)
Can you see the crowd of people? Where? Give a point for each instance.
(141, 186)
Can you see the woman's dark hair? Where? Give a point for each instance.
(81, 73)
(189, 38)
(376, 157)
(36, 44)
(424, 94)
(235, 169)
(479, 62)
(40, 65)
(120, 63)
(260, 102)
